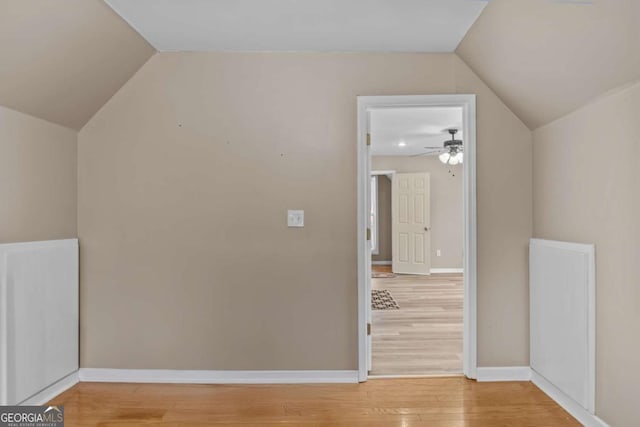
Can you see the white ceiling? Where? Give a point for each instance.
(301, 25)
(415, 127)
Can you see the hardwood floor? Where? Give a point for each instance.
(424, 336)
(434, 402)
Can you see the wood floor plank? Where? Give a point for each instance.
(453, 401)
(423, 336)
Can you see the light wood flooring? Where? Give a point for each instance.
(424, 336)
(433, 402)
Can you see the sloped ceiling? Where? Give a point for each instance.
(61, 60)
(545, 58)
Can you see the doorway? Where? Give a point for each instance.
(409, 271)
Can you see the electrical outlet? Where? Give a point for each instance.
(438, 252)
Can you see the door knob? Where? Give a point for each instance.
(426, 229)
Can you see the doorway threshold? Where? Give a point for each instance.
(408, 376)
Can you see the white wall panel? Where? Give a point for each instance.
(562, 317)
(38, 316)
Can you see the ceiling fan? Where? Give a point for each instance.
(451, 150)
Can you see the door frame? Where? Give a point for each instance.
(468, 104)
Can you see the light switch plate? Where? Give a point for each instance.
(295, 218)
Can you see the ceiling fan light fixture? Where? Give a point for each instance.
(452, 159)
(459, 157)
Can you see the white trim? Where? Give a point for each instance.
(468, 104)
(503, 373)
(567, 403)
(361, 233)
(53, 390)
(470, 327)
(570, 246)
(381, 262)
(216, 377)
(447, 270)
(42, 244)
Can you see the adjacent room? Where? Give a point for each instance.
(417, 241)
(319, 212)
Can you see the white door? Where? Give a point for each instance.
(411, 224)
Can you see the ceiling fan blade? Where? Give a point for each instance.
(432, 152)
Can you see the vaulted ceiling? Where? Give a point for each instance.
(545, 58)
(61, 60)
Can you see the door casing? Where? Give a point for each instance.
(468, 104)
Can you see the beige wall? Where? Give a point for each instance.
(384, 220)
(37, 179)
(587, 189)
(447, 224)
(186, 174)
(504, 198)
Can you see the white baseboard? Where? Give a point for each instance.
(53, 390)
(447, 270)
(381, 263)
(216, 377)
(575, 409)
(506, 373)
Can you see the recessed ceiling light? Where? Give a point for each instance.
(402, 144)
